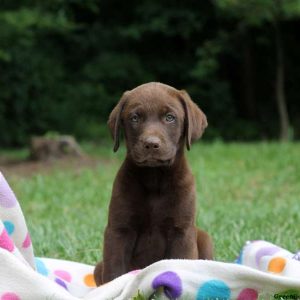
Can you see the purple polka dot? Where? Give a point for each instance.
(61, 283)
(297, 256)
(266, 251)
(7, 197)
(247, 294)
(171, 283)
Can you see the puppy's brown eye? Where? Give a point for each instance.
(170, 118)
(134, 118)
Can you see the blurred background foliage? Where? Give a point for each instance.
(65, 63)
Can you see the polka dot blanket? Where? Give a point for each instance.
(262, 271)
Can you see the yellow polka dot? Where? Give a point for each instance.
(276, 265)
(89, 280)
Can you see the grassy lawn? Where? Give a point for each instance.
(245, 192)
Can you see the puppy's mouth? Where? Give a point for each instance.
(162, 158)
(151, 162)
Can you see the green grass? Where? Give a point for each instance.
(244, 192)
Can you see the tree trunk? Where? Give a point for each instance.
(279, 84)
(247, 75)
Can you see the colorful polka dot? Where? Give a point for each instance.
(9, 226)
(40, 267)
(89, 280)
(171, 283)
(297, 256)
(277, 264)
(27, 241)
(248, 294)
(61, 283)
(266, 251)
(239, 259)
(5, 241)
(10, 296)
(7, 197)
(134, 272)
(63, 275)
(213, 290)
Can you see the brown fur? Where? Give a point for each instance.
(152, 209)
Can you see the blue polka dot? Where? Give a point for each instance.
(40, 267)
(213, 290)
(9, 226)
(239, 260)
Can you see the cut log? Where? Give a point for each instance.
(46, 148)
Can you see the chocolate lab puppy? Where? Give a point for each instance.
(152, 209)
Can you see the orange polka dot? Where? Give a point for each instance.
(89, 280)
(277, 265)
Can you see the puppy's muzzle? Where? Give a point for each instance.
(151, 144)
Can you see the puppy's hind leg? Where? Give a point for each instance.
(205, 245)
(98, 273)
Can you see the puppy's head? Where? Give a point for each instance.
(157, 120)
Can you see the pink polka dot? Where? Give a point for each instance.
(134, 272)
(27, 241)
(5, 241)
(247, 294)
(63, 275)
(10, 296)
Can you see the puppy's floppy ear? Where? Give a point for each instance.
(115, 120)
(195, 120)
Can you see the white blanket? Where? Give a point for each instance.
(262, 270)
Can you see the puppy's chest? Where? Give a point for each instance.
(155, 212)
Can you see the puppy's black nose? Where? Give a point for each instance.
(152, 143)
